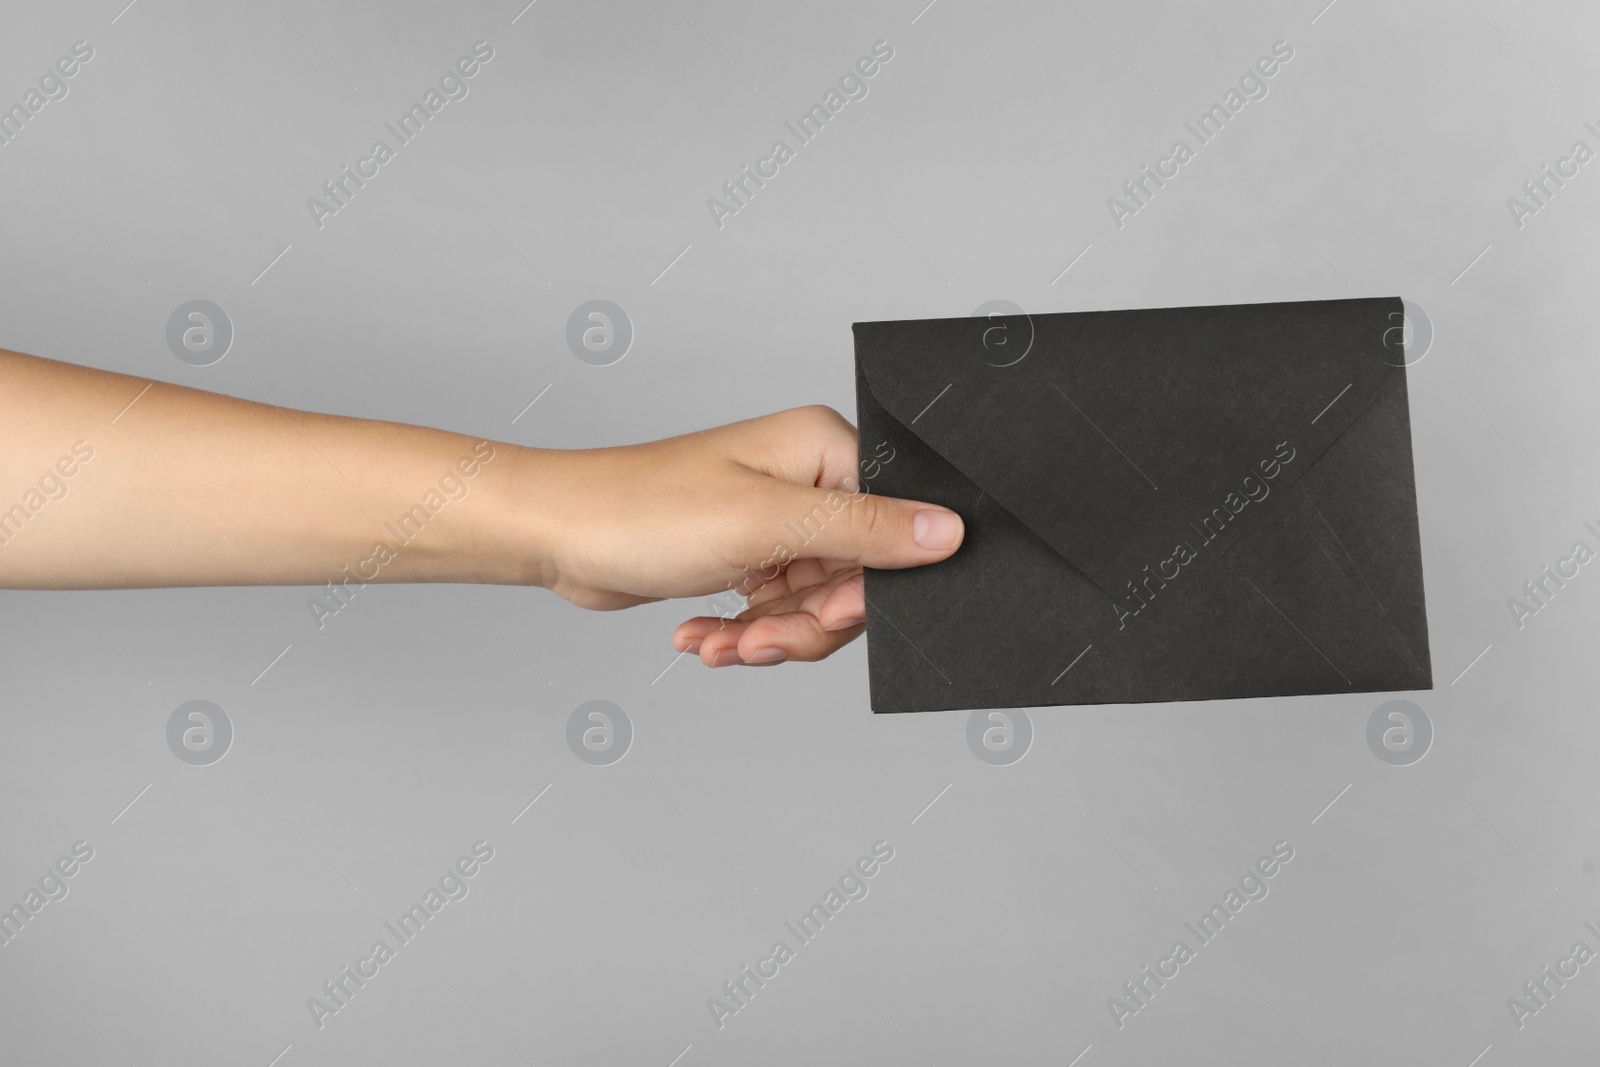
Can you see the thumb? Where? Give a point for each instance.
(875, 531)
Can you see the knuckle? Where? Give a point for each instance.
(822, 417)
(872, 517)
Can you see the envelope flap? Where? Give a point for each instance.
(1137, 443)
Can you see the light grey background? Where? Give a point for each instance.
(371, 754)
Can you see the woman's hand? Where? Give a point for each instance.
(775, 509)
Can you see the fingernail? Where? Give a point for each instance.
(936, 530)
(767, 655)
(847, 622)
(725, 657)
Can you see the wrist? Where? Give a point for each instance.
(518, 540)
(487, 517)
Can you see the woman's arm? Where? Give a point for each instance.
(110, 481)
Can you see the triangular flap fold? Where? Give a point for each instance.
(1135, 442)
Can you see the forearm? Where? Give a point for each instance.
(113, 481)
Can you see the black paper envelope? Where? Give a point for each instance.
(1171, 504)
